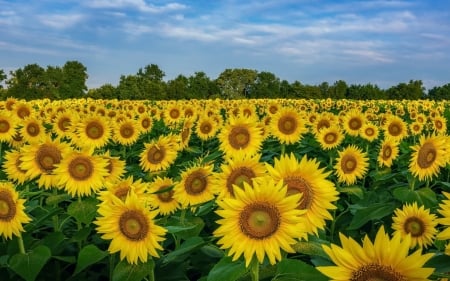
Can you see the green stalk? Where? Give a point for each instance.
(283, 148)
(151, 270)
(21, 245)
(111, 266)
(254, 269)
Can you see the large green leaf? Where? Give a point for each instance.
(423, 196)
(30, 264)
(227, 270)
(372, 212)
(83, 211)
(290, 270)
(132, 272)
(186, 247)
(89, 255)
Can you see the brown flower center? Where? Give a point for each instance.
(287, 125)
(299, 185)
(7, 206)
(174, 113)
(33, 129)
(323, 123)
(415, 226)
(155, 155)
(369, 132)
(348, 164)
(387, 152)
(196, 183)
(166, 196)
(355, 123)
(273, 109)
(81, 168)
(146, 123)
(47, 156)
(94, 130)
(394, 129)
(330, 138)
(438, 124)
(134, 225)
(64, 124)
(122, 192)
(126, 130)
(238, 176)
(427, 155)
(259, 220)
(23, 112)
(239, 137)
(376, 272)
(4, 126)
(205, 127)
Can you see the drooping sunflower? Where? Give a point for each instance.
(395, 127)
(80, 173)
(260, 221)
(383, 259)
(428, 156)
(161, 198)
(388, 152)
(40, 160)
(352, 164)
(353, 121)
(32, 130)
(131, 228)
(123, 187)
(92, 131)
(305, 177)
(369, 131)
(12, 168)
(195, 186)
(416, 222)
(8, 124)
(287, 125)
(12, 211)
(158, 154)
(237, 169)
(444, 211)
(330, 137)
(240, 134)
(125, 132)
(186, 133)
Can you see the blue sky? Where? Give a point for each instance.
(379, 42)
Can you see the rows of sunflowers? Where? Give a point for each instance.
(224, 190)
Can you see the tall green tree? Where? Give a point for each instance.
(3, 77)
(440, 93)
(411, 91)
(147, 83)
(74, 80)
(200, 86)
(27, 82)
(365, 92)
(106, 91)
(266, 85)
(177, 88)
(236, 83)
(338, 90)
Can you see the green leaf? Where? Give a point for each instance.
(289, 270)
(354, 190)
(424, 196)
(227, 270)
(89, 255)
(212, 251)
(83, 211)
(405, 194)
(188, 246)
(372, 212)
(30, 264)
(441, 263)
(132, 272)
(427, 196)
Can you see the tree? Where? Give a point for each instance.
(74, 80)
(106, 91)
(234, 83)
(440, 93)
(177, 88)
(2, 77)
(27, 83)
(200, 86)
(411, 91)
(146, 84)
(365, 92)
(285, 89)
(338, 90)
(266, 85)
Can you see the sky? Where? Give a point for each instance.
(379, 42)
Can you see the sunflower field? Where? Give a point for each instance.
(263, 189)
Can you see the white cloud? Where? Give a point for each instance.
(140, 5)
(61, 21)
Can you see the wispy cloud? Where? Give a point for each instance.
(140, 5)
(60, 21)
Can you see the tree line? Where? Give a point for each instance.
(69, 81)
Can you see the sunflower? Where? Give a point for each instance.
(131, 228)
(162, 198)
(287, 125)
(115, 167)
(439, 125)
(173, 114)
(186, 133)
(32, 130)
(145, 122)
(383, 259)
(240, 134)
(22, 109)
(239, 168)
(40, 160)
(121, 188)
(195, 186)
(416, 128)
(305, 177)
(416, 222)
(395, 128)
(11, 166)
(388, 152)
(12, 211)
(369, 132)
(428, 156)
(125, 132)
(260, 221)
(206, 128)
(444, 211)
(352, 164)
(158, 154)
(80, 173)
(63, 125)
(321, 121)
(92, 132)
(353, 121)
(8, 124)
(330, 137)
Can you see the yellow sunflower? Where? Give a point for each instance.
(12, 211)
(330, 137)
(237, 169)
(395, 127)
(186, 133)
(161, 198)
(63, 124)
(158, 154)
(388, 152)
(22, 109)
(439, 125)
(125, 132)
(92, 132)
(80, 173)
(240, 134)
(260, 221)
(305, 177)
(8, 124)
(131, 228)
(287, 125)
(444, 211)
(40, 160)
(115, 167)
(32, 130)
(353, 121)
(383, 259)
(416, 128)
(416, 222)
(121, 188)
(145, 122)
(195, 186)
(352, 164)
(369, 132)
(206, 127)
(12, 168)
(428, 156)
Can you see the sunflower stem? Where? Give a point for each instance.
(55, 217)
(283, 148)
(254, 269)
(21, 245)
(151, 270)
(111, 266)
(182, 216)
